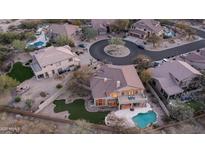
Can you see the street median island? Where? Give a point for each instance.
(117, 50)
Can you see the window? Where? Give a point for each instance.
(114, 95)
(40, 76)
(100, 102)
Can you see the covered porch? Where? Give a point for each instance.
(129, 102)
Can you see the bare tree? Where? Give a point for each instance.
(79, 83)
(154, 39)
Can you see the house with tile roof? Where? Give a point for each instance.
(102, 25)
(175, 77)
(117, 86)
(145, 28)
(51, 61)
(197, 60)
(66, 29)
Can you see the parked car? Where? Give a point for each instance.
(141, 46)
(81, 45)
(154, 64)
(165, 60)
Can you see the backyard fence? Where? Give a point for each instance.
(44, 117)
(159, 100)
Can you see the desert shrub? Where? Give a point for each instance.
(30, 24)
(43, 94)
(19, 45)
(59, 86)
(29, 103)
(57, 21)
(17, 99)
(9, 37)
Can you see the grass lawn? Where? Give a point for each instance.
(77, 111)
(197, 106)
(20, 72)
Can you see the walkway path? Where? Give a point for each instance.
(54, 96)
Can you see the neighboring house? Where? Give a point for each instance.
(197, 60)
(117, 86)
(102, 25)
(52, 61)
(173, 78)
(146, 27)
(68, 30)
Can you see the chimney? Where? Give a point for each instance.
(105, 79)
(118, 84)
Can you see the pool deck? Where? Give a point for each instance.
(128, 115)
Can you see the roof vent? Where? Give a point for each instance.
(105, 79)
(118, 84)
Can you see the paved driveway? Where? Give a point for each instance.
(97, 51)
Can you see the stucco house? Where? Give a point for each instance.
(175, 77)
(66, 29)
(146, 27)
(102, 25)
(52, 61)
(117, 86)
(197, 60)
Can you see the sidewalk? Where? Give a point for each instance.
(167, 45)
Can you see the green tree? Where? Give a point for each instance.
(116, 41)
(19, 45)
(154, 39)
(180, 111)
(64, 40)
(145, 76)
(89, 33)
(7, 83)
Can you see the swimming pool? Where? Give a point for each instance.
(39, 44)
(143, 120)
(169, 33)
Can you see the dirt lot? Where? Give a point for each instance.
(10, 123)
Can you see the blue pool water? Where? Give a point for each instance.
(38, 44)
(142, 120)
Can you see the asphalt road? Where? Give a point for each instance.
(97, 51)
